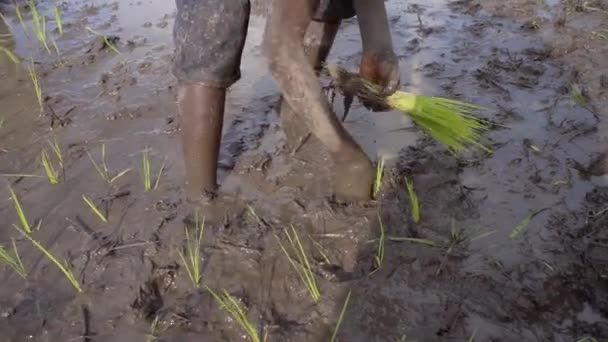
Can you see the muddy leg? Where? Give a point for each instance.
(202, 112)
(291, 69)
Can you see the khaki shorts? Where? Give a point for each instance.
(209, 37)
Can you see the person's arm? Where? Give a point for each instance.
(295, 76)
(378, 63)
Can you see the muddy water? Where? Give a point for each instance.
(519, 58)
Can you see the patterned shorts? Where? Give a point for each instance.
(209, 37)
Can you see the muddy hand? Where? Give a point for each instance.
(379, 63)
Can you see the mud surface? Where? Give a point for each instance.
(520, 58)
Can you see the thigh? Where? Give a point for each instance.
(334, 10)
(209, 37)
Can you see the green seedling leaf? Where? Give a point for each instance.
(414, 204)
(25, 225)
(379, 177)
(524, 223)
(300, 263)
(63, 266)
(237, 311)
(94, 209)
(13, 260)
(414, 240)
(191, 257)
(341, 317)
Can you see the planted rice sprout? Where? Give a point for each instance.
(56, 148)
(25, 225)
(237, 311)
(13, 260)
(146, 172)
(521, 226)
(108, 43)
(94, 209)
(153, 330)
(420, 241)
(20, 18)
(191, 256)
(64, 266)
(300, 262)
(39, 21)
(103, 170)
(51, 174)
(58, 21)
(31, 70)
(414, 203)
(379, 258)
(379, 177)
(341, 317)
(450, 122)
(9, 54)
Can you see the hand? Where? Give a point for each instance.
(381, 69)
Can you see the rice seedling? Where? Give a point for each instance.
(320, 250)
(9, 54)
(482, 235)
(587, 339)
(108, 43)
(237, 312)
(457, 235)
(414, 240)
(31, 70)
(1, 122)
(521, 226)
(21, 175)
(146, 172)
(103, 168)
(20, 18)
(56, 148)
(300, 263)
(13, 260)
(341, 317)
(380, 251)
(379, 177)
(253, 215)
(94, 209)
(3, 18)
(58, 21)
(39, 22)
(450, 122)
(153, 330)
(577, 95)
(25, 225)
(414, 203)
(64, 266)
(49, 169)
(191, 257)
(55, 46)
(472, 338)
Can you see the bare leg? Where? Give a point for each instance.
(202, 112)
(291, 69)
(317, 43)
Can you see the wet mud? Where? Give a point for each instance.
(467, 271)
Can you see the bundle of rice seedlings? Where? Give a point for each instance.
(451, 122)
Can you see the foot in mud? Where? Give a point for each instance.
(210, 209)
(353, 177)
